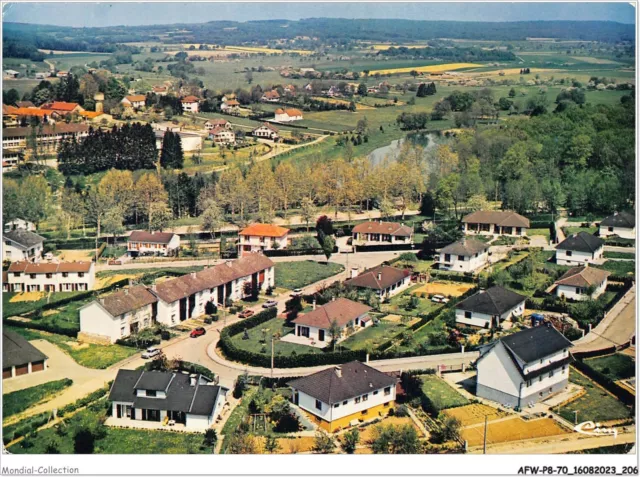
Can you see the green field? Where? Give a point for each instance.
(626, 256)
(620, 268)
(615, 366)
(440, 395)
(596, 405)
(18, 401)
(400, 303)
(255, 342)
(293, 275)
(373, 336)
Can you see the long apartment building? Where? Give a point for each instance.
(49, 277)
(48, 136)
(172, 301)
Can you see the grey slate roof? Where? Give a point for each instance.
(181, 396)
(535, 343)
(466, 246)
(388, 277)
(17, 351)
(23, 237)
(581, 242)
(357, 379)
(620, 219)
(494, 301)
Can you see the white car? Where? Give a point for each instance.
(296, 292)
(270, 304)
(439, 299)
(150, 353)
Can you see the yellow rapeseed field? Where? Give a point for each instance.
(427, 69)
(382, 46)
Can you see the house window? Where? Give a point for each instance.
(610, 229)
(151, 393)
(336, 404)
(65, 274)
(461, 258)
(365, 412)
(365, 397)
(387, 391)
(540, 379)
(81, 274)
(122, 331)
(563, 368)
(568, 253)
(16, 274)
(528, 383)
(344, 403)
(551, 373)
(357, 400)
(375, 393)
(467, 314)
(49, 275)
(318, 405)
(33, 276)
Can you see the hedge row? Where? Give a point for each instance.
(84, 401)
(34, 325)
(619, 242)
(454, 277)
(606, 382)
(100, 250)
(24, 427)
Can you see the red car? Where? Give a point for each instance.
(197, 332)
(246, 313)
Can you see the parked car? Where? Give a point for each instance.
(150, 353)
(246, 313)
(296, 292)
(438, 299)
(198, 332)
(270, 304)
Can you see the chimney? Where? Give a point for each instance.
(229, 263)
(338, 370)
(193, 379)
(193, 274)
(333, 299)
(153, 232)
(354, 272)
(126, 291)
(153, 287)
(102, 301)
(130, 282)
(314, 303)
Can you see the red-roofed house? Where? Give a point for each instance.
(135, 101)
(267, 131)
(42, 276)
(152, 243)
(160, 90)
(222, 135)
(270, 96)
(287, 115)
(63, 107)
(190, 104)
(261, 237)
(230, 107)
(211, 124)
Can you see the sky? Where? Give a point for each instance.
(140, 13)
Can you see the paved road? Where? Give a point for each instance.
(615, 329)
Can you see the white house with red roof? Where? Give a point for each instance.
(287, 115)
(267, 131)
(261, 237)
(62, 107)
(270, 96)
(135, 101)
(141, 242)
(211, 124)
(50, 276)
(222, 135)
(379, 232)
(190, 104)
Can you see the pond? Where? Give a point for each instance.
(427, 140)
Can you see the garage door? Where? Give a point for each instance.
(22, 369)
(37, 366)
(6, 373)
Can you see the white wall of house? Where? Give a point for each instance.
(59, 281)
(394, 289)
(571, 257)
(493, 229)
(15, 252)
(374, 239)
(285, 118)
(190, 107)
(314, 332)
(471, 318)
(463, 263)
(20, 224)
(95, 320)
(161, 248)
(265, 132)
(622, 232)
(497, 371)
(580, 293)
(256, 243)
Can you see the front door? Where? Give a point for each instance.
(321, 335)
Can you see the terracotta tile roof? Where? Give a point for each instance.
(50, 267)
(150, 237)
(91, 114)
(279, 111)
(8, 109)
(503, 218)
(355, 379)
(379, 278)
(232, 102)
(25, 104)
(177, 288)
(190, 99)
(136, 98)
(159, 88)
(264, 230)
(268, 126)
(466, 247)
(387, 228)
(220, 129)
(127, 300)
(272, 94)
(31, 112)
(583, 277)
(341, 311)
(293, 112)
(217, 122)
(60, 106)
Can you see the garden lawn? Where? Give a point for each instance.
(400, 302)
(596, 405)
(440, 394)
(546, 233)
(423, 337)
(620, 268)
(88, 355)
(16, 308)
(615, 366)
(574, 230)
(292, 275)
(275, 325)
(18, 401)
(373, 336)
(628, 255)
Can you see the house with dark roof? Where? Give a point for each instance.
(385, 281)
(49, 276)
(622, 224)
(267, 131)
(314, 328)
(495, 222)
(175, 400)
(141, 242)
(21, 244)
(19, 357)
(341, 396)
(524, 367)
(118, 315)
(379, 232)
(582, 283)
(488, 308)
(465, 255)
(579, 249)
